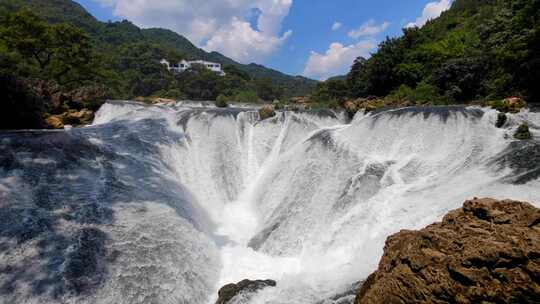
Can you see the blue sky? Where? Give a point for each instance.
(314, 38)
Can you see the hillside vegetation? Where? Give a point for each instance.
(479, 50)
(126, 57)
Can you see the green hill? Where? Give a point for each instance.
(109, 36)
(477, 50)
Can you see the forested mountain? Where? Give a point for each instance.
(477, 50)
(111, 38)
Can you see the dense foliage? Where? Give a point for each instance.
(479, 49)
(58, 40)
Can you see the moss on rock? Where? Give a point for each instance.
(523, 133)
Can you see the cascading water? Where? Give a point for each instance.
(165, 204)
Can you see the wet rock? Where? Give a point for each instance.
(486, 252)
(501, 120)
(55, 122)
(523, 160)
(346, 296)
(267, 111)
(160, 100)
(523, 133)
(243, 288)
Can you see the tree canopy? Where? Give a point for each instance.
(479, 49)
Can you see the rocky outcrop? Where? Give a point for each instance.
(366, 104)
(486, 252)
(267, 111)
(245, 289)
(159, 100)
(300, 100)
(36, 104)
(70, 117)
(89, 97)
(21, 108)
(508, 105)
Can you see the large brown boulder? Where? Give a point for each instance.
(244, 288)
(266, 112)
(55, 122)
(486, 252)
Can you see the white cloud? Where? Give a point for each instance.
(215, 25)
(336, 26)
(337, 59)
(431, 10)
(240, 40)
(369, 28)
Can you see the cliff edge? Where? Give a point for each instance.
(488, 251)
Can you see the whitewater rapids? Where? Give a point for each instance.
(166, 204)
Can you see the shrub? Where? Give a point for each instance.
(246, 96)
(424, 93)
(221, 101)
(174, 94)
(403, 94)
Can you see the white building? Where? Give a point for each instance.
(184, 65)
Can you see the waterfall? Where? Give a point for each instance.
(165, 204)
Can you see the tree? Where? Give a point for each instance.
(234, 71)
(357, 78)
(57, 52)
(267, 90)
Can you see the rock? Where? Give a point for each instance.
(346, 296)
(301, 100)
(28, 103)
(78, 118)
(501, 120)
(242, 288)
(370, 104)
(90, 97)
(367, 104)
(508, 105)
(22, 108)
(351, 107)
(486, 252)
(143, 99)
(55, 122)
(523, 133)
(266, 112)
(163, 100)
